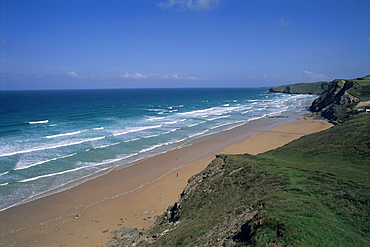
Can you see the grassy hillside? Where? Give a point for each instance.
(302, 88)
(327, 196)
(314, 191)
(361, 88)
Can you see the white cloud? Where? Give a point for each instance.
(175, 76)
(72, 73)
(368, 40)
(194, 5)
(315, 76)
(133, 75)
(170, 76)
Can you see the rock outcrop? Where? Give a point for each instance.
(335, 103)
(173, 213)
(133, 237)
(338, 99)
(219, 207)
(124, 237)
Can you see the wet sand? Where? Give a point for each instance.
(134, 195)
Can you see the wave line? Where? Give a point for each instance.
(137, 129)
(64, 134)
(52, 147)
(42, 162)
(38, 122)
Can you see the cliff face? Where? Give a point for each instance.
(219, 207)
(173, 213)
(200, 204)
(335, 103)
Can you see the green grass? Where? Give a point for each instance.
(326, 201)
(314, 191)
(361, 88)
(306, 88)
(220, 203)
(343, 151)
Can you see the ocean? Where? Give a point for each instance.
(54, 140)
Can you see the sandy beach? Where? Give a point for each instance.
(133, 196)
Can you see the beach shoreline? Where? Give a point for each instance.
(132, 196)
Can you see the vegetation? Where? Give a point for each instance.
(361, 88)
(326, 201)
(314, 191)
(302, 88)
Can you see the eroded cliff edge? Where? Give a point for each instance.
(338, 99)
(222, 205)
(336, 103)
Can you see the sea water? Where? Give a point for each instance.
(52, 140)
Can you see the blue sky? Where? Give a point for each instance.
(70, 44)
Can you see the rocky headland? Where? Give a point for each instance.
(338, 99)
(302, 88)
(336, 103)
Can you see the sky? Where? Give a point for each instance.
(83, 44)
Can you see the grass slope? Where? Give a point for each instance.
(314, 191)
(327, 196)
(361, 88)
(302, 88)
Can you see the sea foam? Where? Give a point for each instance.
(52, 147)
(39, 122)
(42, 162)
(64, 134)
(136, 129)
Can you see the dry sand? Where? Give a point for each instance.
(133, 196)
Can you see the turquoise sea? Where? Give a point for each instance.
(53, 140)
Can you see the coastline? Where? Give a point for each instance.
(134, 195)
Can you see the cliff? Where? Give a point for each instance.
(214, 208)
(338, 99)
(336, 103)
